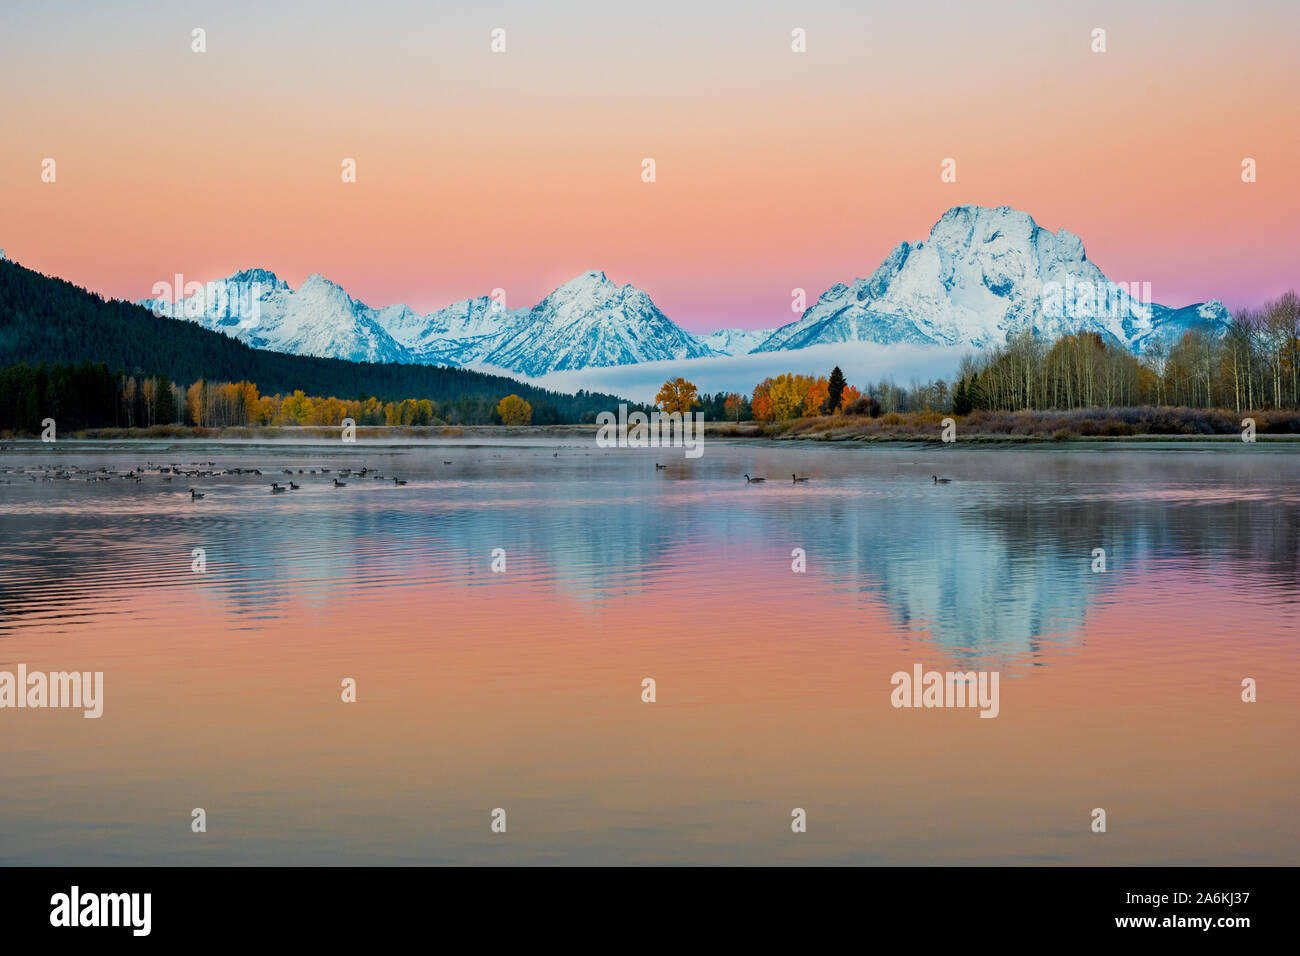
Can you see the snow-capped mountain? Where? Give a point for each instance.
(982, 276)
(319, 318)
(589, 321)
(736, 341)
(463, 333)
(593, 321)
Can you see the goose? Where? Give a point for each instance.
(195, 495)
(797, 479)
(940, 481)
(340, 484)
(753, 481)
(446, 463)
(276, 488)
(399, 481)
(659, 467)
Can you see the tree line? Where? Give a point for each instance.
(1253, 364)
(88, 395)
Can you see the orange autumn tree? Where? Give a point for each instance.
(816, 395)
(733, 405)
(676, 396)
(761, 402)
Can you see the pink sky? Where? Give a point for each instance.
(521, 170)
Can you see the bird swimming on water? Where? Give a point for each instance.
(940, 481)
(797, 479)
(753, 481)
(195, 495)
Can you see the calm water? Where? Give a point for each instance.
(522, 690)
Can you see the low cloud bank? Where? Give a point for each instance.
(861, 362)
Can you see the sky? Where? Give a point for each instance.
(774, 170)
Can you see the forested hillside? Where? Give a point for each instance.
(49, 320)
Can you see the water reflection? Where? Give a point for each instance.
(996, 565)
(523, 689)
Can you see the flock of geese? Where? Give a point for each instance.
(195, 469)
(797, 479)
(198, 469)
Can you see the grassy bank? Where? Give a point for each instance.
(312, 432)
(1093, 424)
(1162, 424)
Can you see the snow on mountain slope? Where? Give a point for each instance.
(463, 333)
(319, 318)
(258, 308)
(589, 321)
(983, 275)
(736, 341)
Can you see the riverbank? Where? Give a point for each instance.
(1155, 424)
(1145, 424)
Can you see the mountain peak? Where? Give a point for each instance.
(264, 276)
(984, 275)
(960, 226)
(592, 278)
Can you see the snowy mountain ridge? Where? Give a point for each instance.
(982, 276)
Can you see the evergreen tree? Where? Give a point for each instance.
(836, 391)
(961, 404)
